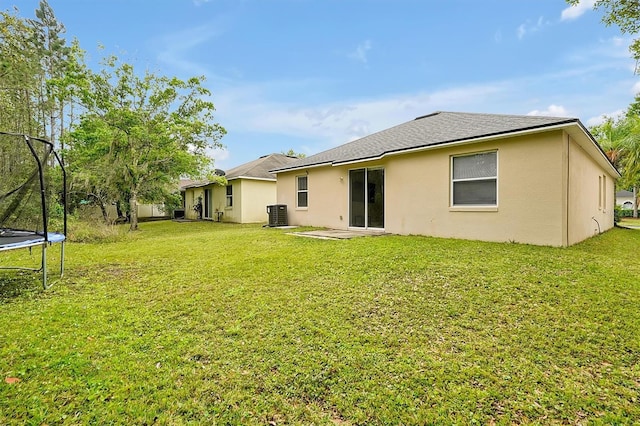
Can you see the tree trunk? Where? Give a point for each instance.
(635, 202)
(105, 214)
(133, 206)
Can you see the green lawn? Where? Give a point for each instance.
(208, 323)
(629, 221)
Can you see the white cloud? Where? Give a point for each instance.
(574, 12)
(360, 54)
(174, 48)
(334, 123)
(221, 157)
(529, 28)
(636, 88)
(595, 121)
(255, 113)
(551, 111)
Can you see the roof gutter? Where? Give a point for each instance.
(252, 178)
(309, 166)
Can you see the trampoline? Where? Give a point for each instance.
(29, 171)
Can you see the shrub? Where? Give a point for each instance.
(82, 231)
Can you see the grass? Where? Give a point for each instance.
(629, 221)
(208, 323)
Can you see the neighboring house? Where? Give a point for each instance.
(625, 199)
(526, 179)
(250, 189)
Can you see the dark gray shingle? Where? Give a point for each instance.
(429, 130)
(260, 168)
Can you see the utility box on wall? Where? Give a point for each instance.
(277, 215)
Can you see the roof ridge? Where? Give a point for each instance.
(497, 114)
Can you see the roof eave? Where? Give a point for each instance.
(306, 166)
(251, 178)
(466, 141)
(570, 123)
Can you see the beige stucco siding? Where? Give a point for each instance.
(256, 196)
(327, 197)
(250, 200)
(191, 198)
(234, 212)
(532, 192)
(591, 196)
(529, 193)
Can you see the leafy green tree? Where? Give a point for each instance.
(19, 70)
(623, 13)
(38, 73)
(53, 54)
(292, 153)
(139, 134)
(620, 140)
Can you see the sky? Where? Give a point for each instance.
(309, 75)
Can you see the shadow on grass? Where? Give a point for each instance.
(16, 284)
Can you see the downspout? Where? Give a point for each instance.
(566, 227)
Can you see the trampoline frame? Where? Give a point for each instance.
(29, 239)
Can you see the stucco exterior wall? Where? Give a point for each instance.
(250, 200)
(620, 201)
(233, 213)
(256, 196)
(529, 202)
(328, 189)
(591, 196)
(191, 198)
(545, 196)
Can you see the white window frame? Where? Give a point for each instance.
(229, 197)
(299, 191)
(484, 178)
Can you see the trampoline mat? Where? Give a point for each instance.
(11, 238)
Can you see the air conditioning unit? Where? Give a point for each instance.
(277, 215)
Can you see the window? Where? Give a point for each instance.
(302, 191)
(474, 179)
(229, 196)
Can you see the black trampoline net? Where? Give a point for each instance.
(31, 188)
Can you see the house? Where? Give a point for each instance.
(250, 188)
(526, 179)
(625, 199)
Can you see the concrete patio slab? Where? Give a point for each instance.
(337, 234)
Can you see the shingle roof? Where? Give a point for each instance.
(260, 168)
(256, 169)
(624, 193)
(429, 130)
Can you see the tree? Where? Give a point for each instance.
(38, 72)
(292, 153)
(623, 13)
(620, 140)
(19, 68)
(139, 134)
(53, 54)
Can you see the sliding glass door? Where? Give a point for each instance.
(366, 198)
